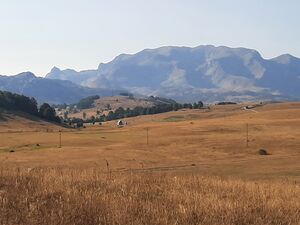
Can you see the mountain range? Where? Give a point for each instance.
(48, 90)
(206, 73)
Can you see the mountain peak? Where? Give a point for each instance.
(55, 70)
(28, 75)
(285, 59)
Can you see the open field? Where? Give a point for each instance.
(195, 169)
(207, 142)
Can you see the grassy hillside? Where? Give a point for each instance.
(16, 121)
(105, 104)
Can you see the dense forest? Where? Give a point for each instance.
(12, 101)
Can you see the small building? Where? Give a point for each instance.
(120, 123)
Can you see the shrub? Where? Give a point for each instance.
(263, 152)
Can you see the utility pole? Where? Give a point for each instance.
(59, 138)
(147, 129)
(247, 135)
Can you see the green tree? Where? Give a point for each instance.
(200, 104)
(66, 115)
(48, 113)
(110, 115)
(84, 115)
(87, 102)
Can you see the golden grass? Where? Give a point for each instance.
(207, 142)
(62, 196)
(196, 169)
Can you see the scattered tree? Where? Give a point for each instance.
(87, 102)
(84, 115)
(48, 113)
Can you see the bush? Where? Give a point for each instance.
(263, 152)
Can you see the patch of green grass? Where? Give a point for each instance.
(174, 118)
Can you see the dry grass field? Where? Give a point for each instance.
(195, 169)
(62, 196)
(207, 142)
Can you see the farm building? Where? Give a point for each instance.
(120, 123)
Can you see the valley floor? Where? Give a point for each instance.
(207, 142)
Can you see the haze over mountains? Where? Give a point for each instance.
(48, 90)
(205, 73)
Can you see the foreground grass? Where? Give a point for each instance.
(58, 196)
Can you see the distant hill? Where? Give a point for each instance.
(106, 104)
(49, 90)
(129, 102)
(18, 112)
(11, 120)
(205, 73)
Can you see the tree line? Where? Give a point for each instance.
(12, 101)
(121, 113)
(87, 102)
(84, 103)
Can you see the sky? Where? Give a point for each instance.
(36, 35)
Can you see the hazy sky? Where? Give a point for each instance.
(36, 35)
